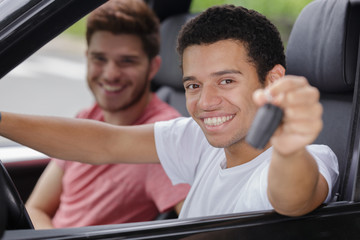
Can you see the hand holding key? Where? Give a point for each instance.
(302, 111)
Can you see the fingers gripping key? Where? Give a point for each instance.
(266, 121)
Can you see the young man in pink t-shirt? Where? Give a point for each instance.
(122, 58)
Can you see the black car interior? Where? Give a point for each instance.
(323, 47)
(168, 81)
(17, 216)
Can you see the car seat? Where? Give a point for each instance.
(168, 81)
(166, 8)
(324, 47)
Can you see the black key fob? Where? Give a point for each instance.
(266, 121)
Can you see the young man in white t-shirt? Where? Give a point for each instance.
(232, 59)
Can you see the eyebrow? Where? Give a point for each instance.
(223, 72)
(95, 53)
(189, 78)
(215, 74)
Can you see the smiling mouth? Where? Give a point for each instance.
(216, 121)
(110, 88)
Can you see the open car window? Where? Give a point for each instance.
(53, 83)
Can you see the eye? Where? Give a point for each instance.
(192, 86)
(128, 60)
(98, 59)
(226, 81)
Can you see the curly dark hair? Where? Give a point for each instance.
(259, 36)
(127, 17)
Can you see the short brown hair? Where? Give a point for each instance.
(127, 17)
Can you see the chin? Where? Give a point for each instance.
(224, 143)
(218, 143)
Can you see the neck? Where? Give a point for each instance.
(129, 115)
(241, 153)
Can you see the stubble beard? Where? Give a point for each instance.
(135, 97)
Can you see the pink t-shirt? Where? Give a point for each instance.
(117, 193)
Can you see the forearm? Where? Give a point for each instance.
(178, 207)
(39, 218)
(79, 139)
(57, 137)
(295, 186)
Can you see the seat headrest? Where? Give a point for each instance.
(170, 73)
(166, 8)
(323, 44)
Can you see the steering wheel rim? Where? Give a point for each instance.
(16, 216)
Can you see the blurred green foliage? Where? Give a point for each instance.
(282, 13)
(78, 29)
(269, 8)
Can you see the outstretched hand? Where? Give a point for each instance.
(302, 120)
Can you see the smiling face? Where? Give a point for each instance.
(219, 81)
(119, 71)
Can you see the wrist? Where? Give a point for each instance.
(292, 155)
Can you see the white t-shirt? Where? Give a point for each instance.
(187, 157)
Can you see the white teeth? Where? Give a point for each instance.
(112, 88)
(215, 121)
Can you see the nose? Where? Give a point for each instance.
(209, 98)
(111, 72)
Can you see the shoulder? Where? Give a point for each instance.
(324, 156)
(180, 124)
(93, 112)
(328, 166)
(182, 132)
(158, 110)
(326, 160)
(322, 152)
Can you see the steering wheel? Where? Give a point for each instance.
(16, 216)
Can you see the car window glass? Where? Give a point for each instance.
(50, 82)
(7, 7)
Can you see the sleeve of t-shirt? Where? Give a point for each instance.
(178, 147)
(59, 162)
(328, 167)
(159, 187)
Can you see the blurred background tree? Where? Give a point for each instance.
(282, 13)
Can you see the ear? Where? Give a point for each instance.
(278, 71)
(87, 55)
(155, 64)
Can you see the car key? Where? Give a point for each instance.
(266, 121)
